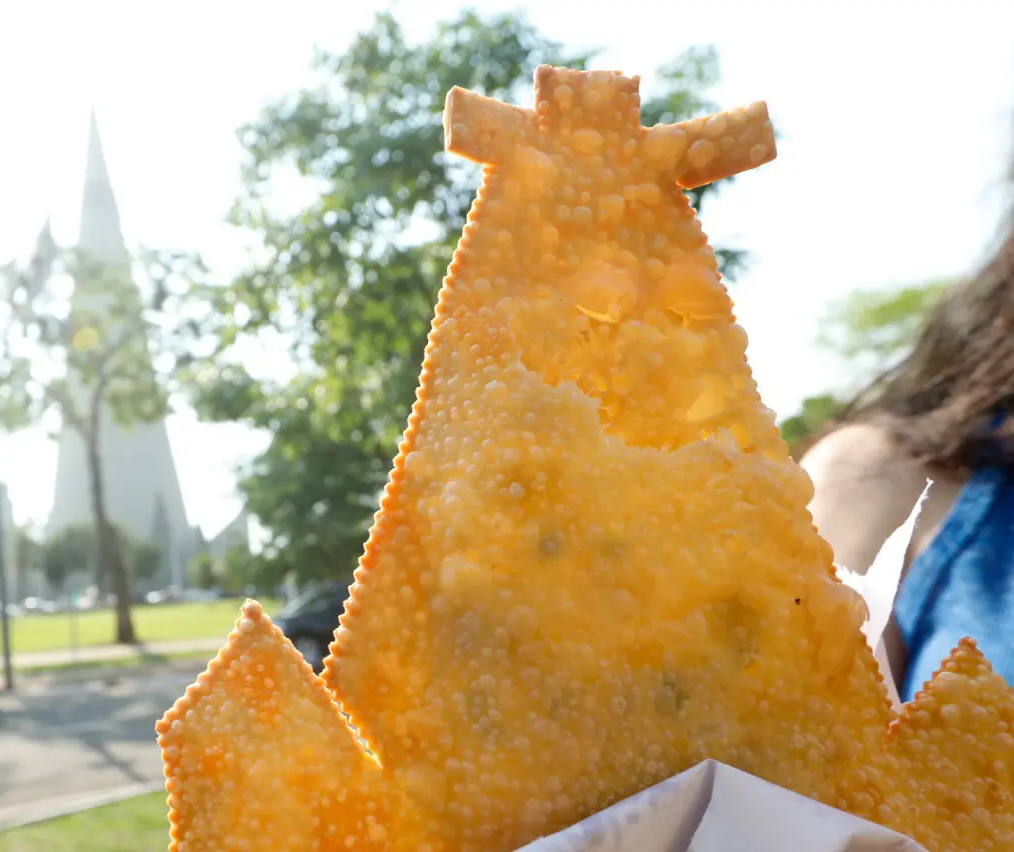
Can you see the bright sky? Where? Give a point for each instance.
(895, 119)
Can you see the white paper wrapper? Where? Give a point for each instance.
(879, 587)
(715, 808)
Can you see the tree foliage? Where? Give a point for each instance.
(201, 574)
(816, 412)
(76, 343)
(76, 549)
(876, 327)
(241, 573)
(26, 553)
(234, 573)
(69, 551)
(348, 283)
(144, 560)
(866, 333)
(73, 343)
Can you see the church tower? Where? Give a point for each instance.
(143, 496)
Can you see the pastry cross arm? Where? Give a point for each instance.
(573, 104)
(482, 129)
(720, 146)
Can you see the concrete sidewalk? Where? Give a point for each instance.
(103, 653)
(61, 806)
(68, 746)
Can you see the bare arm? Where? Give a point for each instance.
(865, 488)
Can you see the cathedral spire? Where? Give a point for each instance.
(100, 232)
(41, 266)
(138, 469)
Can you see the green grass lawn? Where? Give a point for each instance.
(135, 825)
(140, 659)
(161, 623)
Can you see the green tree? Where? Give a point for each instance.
(349, 281)
(78, 548)
(75, 341)
(202, 572)
(241, 571)
(56, 568)
(867, 333)
(801, 428)
(70, 551)
(145, 560)
(877, 327)
(28, 559)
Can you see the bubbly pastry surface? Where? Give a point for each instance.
(257, 757)
(593, 566)
(953, 746)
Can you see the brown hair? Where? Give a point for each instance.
(944, 402)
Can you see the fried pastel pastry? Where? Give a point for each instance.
(593, 565)
(258, 757)
(953, 748)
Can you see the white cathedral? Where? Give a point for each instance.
(143, 495)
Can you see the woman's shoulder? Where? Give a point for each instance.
(865, 486)
(858, 453)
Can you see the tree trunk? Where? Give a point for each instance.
(110, 553)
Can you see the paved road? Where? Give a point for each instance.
(99, 653)
(65, 740)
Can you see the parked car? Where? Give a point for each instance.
(310, 619)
